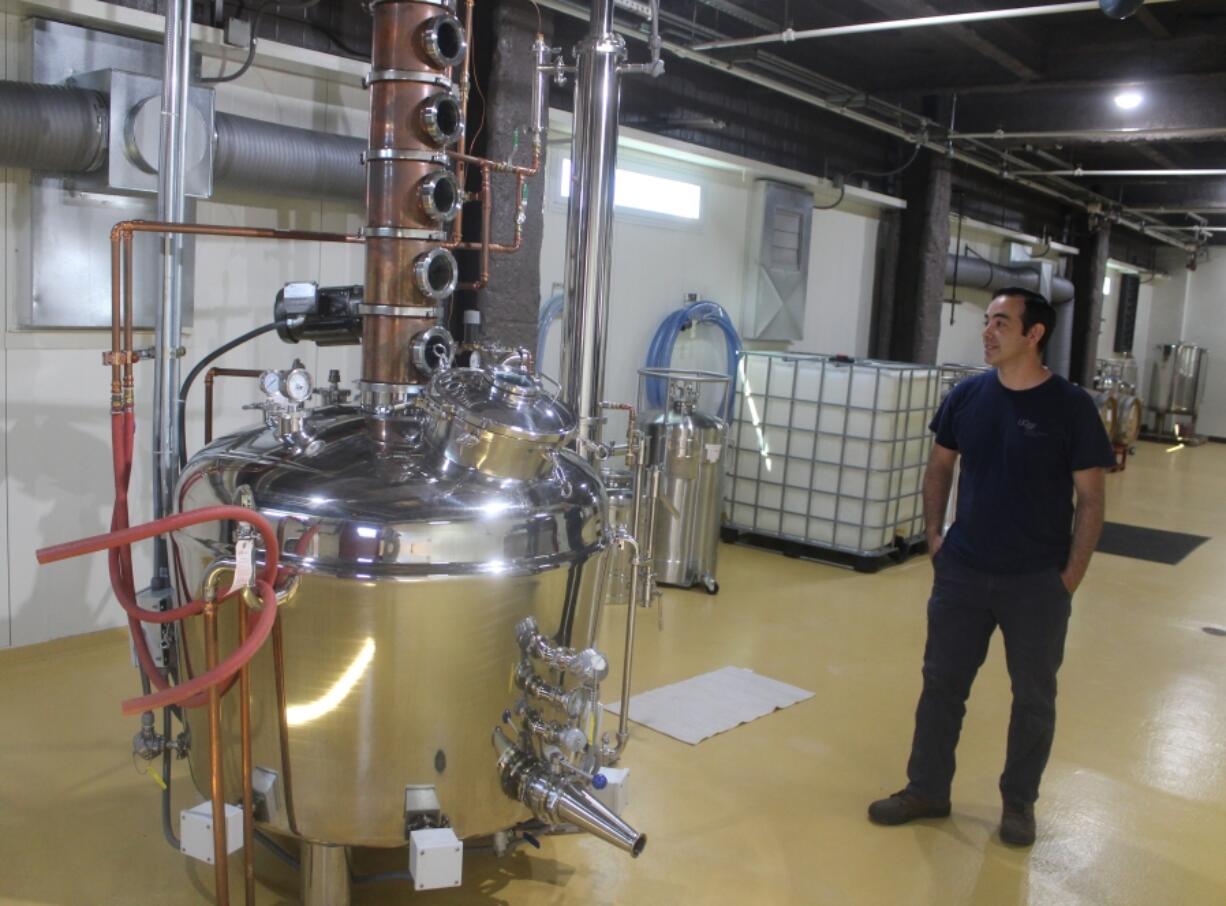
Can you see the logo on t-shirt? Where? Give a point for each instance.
(1029, 428)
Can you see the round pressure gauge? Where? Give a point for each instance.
(270, 383)
(296, 386)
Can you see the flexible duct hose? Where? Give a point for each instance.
(267, 159)
(52, 127)
(660, 352)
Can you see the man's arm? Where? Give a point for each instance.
(1091, 485)
(938, 479)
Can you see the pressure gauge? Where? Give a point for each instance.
(270, 383)
(296, 385)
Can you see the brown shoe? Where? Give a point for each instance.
(1017, 824)
(906, 806)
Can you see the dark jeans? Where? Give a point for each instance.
(1032, 611)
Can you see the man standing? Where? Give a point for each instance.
(1016, 552)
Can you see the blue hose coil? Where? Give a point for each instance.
(660, 353)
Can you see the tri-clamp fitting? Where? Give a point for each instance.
(587, 664)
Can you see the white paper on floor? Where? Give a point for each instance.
(711, 703)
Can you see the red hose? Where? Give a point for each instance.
(118, 542)
(183, 693)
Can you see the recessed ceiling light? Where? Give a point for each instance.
(1129, 100)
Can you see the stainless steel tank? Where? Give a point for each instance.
(1177, 385)
(688, 447)
(414, 548)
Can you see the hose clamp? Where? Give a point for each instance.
(398, 311)
(445, 4)
(426, 157)
(405, 75)
(370, 232)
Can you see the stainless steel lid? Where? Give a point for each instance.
(357, 507)
(509, 402)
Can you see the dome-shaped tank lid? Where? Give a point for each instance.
(509, 401)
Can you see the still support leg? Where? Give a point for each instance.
(325, 875)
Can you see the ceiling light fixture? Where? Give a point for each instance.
(1129, 100)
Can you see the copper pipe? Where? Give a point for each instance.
(116, 342)
(502, 166)
(487, 215)
(244, 690)
(461, 171)
(278, 666)
(129, 317)
(217, 786)
(122, 356)
(209, 377)
(209, 229)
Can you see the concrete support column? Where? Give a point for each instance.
(510, 303)
(1088, 275)
(923, 245)
(885, 277)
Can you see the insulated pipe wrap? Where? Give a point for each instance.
(52, 127)
(975, 273)
(267, 159)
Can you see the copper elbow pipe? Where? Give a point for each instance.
(209, 377)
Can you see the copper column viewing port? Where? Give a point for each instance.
(411, 194)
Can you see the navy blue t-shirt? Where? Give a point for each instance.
(1019, 450)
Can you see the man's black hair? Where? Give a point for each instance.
(1037, 311)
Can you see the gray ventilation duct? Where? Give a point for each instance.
(266, 159)
(49, 127)
(975, 273)
(64, 130)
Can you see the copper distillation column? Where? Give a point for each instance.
(411, 197)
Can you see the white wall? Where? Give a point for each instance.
(1204, 323)
(55, 459)
(842, 263)
(657, 262)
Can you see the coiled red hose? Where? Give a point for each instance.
(118, 542)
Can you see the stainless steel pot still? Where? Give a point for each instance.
(443, 566)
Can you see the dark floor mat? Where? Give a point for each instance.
(1147, 543)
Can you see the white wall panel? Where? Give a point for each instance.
(842, 263)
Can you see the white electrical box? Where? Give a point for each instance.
(436, 856)
(196, 831)
(616, 793)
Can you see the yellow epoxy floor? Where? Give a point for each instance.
(1134, 800)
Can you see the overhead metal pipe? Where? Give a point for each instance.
(913, 136)
(861, 28)
(1078, 171)
(51, 127)
(589, 219)
(1125, 134)
(172, 165)
(976, 273)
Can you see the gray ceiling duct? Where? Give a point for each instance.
(52, 128)
(65, 130)
(976, 273)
